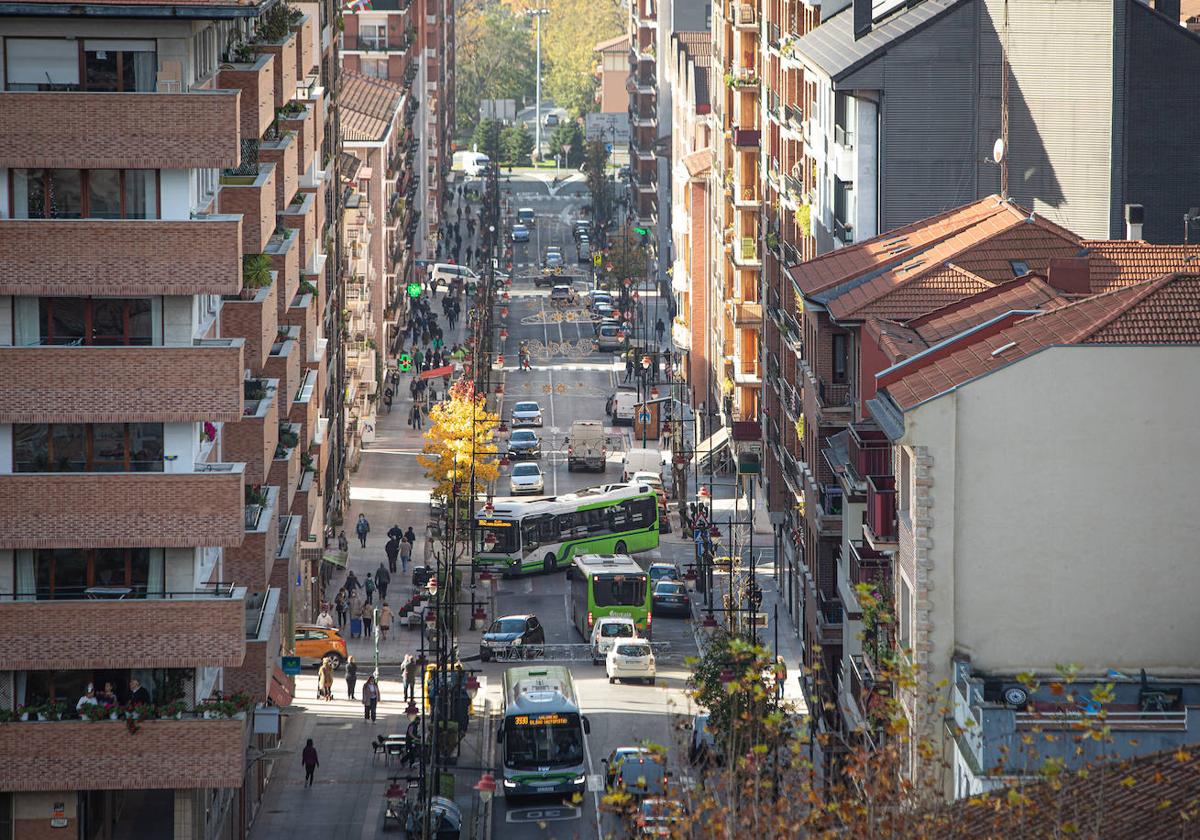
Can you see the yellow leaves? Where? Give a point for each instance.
(460, 440)
(1182, 755)
(1017, 799)
(1128, 781)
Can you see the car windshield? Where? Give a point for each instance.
(657, 572)
(633, 650)
(614, 630)
(533, 745)
(507, 625)
(525, 469)
(619, 590)
(527, 406)
(668, 589)
(523, 435)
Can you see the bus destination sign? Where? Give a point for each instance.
(547, 719)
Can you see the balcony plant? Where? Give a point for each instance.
(254, 389)
(175, 709)
(307, 288)
(94, 712)
(306, 461)
(287, 436)
(256, 274)
(216, 709)
(255, 495)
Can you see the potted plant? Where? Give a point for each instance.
(94, 712)
(256, 274)
(174, 709)
(306, 461)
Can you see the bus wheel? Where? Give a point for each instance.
(620, 547)
(550, 563)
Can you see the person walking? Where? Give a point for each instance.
(367, 614)
(340, 603)
(660, 328)
(362, 528)
(406, 548)
(385, 620)
(369, 587)
(410, 535)
(351, 676)
(395, 532)
(310, 761)
(392, 547)
(324, 619)
(370, 698)
(409, 668)
(325, 679)
(382, 578)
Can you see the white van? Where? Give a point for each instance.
(641, 460)
(445, 273)
(621, 407)
(476, 163)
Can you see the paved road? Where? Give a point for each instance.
(572, 388)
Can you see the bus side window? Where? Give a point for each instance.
(618, 517)
(643, 511)
(595, 520)
(531, 534)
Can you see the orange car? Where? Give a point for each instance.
(315, 643)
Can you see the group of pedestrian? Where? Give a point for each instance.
(399, 547)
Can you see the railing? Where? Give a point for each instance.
(843, 232)
(831, 499)
(868, 565)
(870, 451)
(256, 613)
(1070, 719)
(830, 611)
(879, 647)
(118, 592)
(881, 506)
(833, 395)
(794, 114)
(747, 137)
(843, 136)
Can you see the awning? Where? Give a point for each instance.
(365, 173)
(436, 372)
(336, 558)
(711, 445)
(281, 688)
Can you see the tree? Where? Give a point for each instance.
(487, 138)
(495, 60)
(515, 144)
(595, 166)
(569, 37)
(568, 133)
(459, 455)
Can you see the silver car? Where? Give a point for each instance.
(527, 413)
(526, 478)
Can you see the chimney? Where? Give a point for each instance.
(1135, 215)
(1070, 275)
(862, 18)
(1170, 8)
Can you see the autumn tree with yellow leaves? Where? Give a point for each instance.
(460, 454)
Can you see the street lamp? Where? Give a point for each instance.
(486, 787)
(537, 14)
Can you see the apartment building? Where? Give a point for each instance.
(412, 45)
(613, 73)
(167, 210)
(1085, 96)
(643, 111)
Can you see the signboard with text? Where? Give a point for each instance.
(610, 128)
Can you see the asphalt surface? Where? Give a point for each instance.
(573, 384)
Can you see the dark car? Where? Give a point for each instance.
(509, 632)
(663, 571)
(612, 764)
(671, 596)
(702, 749)
(524, 444)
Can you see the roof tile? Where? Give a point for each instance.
(368, 106)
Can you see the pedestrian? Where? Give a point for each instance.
(310, 761)
(370, 698)
(382, 578)
(780, 676)
(369, 587)
(420, 417)
(367, 613)
(416, 351)
(409, 668)
(385, 620)
(392, 547)
(411, 536)
(412, 742)
(406, 548)
(339, 605)
(395, 532)
(325, 679)
(351, 585)
(343, 543)
(324, 619)
(628, 366)
(351, 676)
(362, 528)
(660, 328)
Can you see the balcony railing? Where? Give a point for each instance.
(834, 394)
(843, 231)
(881, 507)
(843, 136)
(870, 451)
(747, 137)
(831, 499)
(830, 610)
(868, 565)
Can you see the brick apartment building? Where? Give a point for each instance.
(412, 45)
(170, 430)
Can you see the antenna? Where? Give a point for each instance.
(1002, 143)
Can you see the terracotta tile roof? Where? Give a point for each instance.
(698, 162)
(1033, 244)
(1162, 311)
(368, 106)
(941, 286)
(1117, 262)
(897, 341)
(696, 44)
(618, 44)
(1028, 292)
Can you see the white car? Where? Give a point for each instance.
(526, 478)
(527, 413)
(609, 630)
(647, 477)
(631, 659)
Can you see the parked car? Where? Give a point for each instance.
(702, 748)
(511, 631)
(526, 478)
(315, 643)
(658, 817)
(553, 262)
(607, 631)
(671, 596)
(585, 250)
(663, 571)
(551, 120)
(524, 444)
(631, 659)
(527, 413)
(520, 233)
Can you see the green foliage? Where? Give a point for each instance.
(595, 163)
(487, 138)
(494, 60)
(569, 36)
(516, 143)
(568, 133)
(256, 271)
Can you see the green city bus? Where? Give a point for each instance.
(520, 536)
(542, 733)
(608, 584)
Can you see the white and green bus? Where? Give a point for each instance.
(521, 536)
(542, 733)
(608, 584)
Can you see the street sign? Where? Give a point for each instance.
(404, 362)
(290, 665)
(596, 260)
(414, 290)
(645, 416)
(608, 147)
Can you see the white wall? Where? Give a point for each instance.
(175, 188)
(181, 440)
(866, 176)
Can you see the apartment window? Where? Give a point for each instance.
(839, 358)
(376, 68)
(85, 193)
(68, 573)
(843, 120)
(204, 187)
(204, 48)
(905, 483)
(904, 615)
(97, 321)
(843, 210)
(88, 447)
(372, 36)
(121, 65)
(33, 64)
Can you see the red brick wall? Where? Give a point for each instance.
(120, 384)
(252, 441)
(162, 754)
(305, 317)
(250, 563)
(257, 321)
(306, 145)
(285, 368)
(287, 264)
(257, 206)
(306, 58)
(285, 67)
(258, 94)
(114, 510)
(305, 223)
(351, 32)
(41, 830)
(120, 257)
(283, 155)
(305, 414)
(120, 130)
(123, 634)
(285, 474)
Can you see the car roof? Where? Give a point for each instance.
(523, 432)
(517, 407)
(613, 619)
(517, 615)
(526, 467)
(524, 209)
(663, 565)
(314, 627)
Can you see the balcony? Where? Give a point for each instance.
(282, 149)
(251, 192)
(49, 384)
(306, 406)
(834, 395)
(252, 440)
(870, 451)
(681, 335)
(285, 468)
(744, 17)
(300, 215)
(161, 755)
(843, 231)
(364, 43)
(77, 256)
(254, 676)
(747, 314)
(251, 563)
(283, 364)
(107, 628)
(301, 119)
(745, 253)
(829, 619)
(254, 315)
(80, 130)
(880, 529)
(118, 510)
(256, 81)
(869, 566)
(286, 75)
(745, 138)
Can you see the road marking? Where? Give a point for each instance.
(528, 815)
(595, 782)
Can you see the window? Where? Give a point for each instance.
(1019, 268)
(67, 573)
(376, 68)
(204, 47)
(839, 358)
(904, 616)
(41, 64)
(639, 513)
(619, 591)
(843, 120)
(97, 321)
(372, 36)
(85, 193)
(88, 447)
(904, 482)
(120, 65)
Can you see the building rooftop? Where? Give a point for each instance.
(368, 106)
(620, 44)
(198, 9)
(1161, 311)
(1116, 262)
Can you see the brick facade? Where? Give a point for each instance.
(286, 261)
(154, 633)
(306, 138)
(250, 563)
(118, 510)
(283, 153)
(285, 474)
(256, 203)
(284, 53)
(160, 755)
(304, 316)
(302, 218)
(120, 130)
(121, 384)
(286, 367)
(252, 440)
(257, 83)
(257, 320)
(118, 257)
(306, 57)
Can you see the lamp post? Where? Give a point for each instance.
(537, 14)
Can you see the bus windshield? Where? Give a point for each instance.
(618, 590)
(529, 743)
(506, 535)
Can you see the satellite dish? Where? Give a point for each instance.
(998, 150)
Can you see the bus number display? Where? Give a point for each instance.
(494, 523)
(548, 719)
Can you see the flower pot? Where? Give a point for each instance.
(43, 716)
(114, 715)
(24, 715)
(210, 715)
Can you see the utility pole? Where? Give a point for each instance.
(536, 14)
